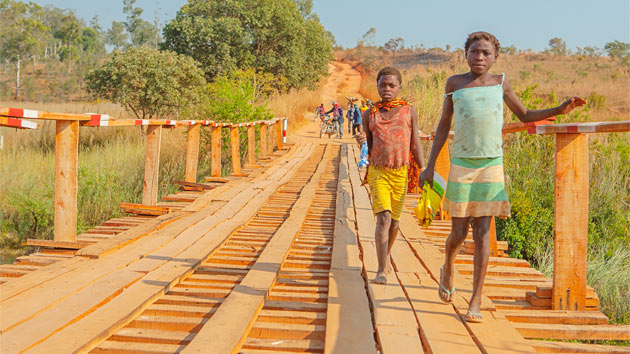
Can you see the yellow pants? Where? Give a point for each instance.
(388, 188)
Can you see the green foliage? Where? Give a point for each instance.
(558, 46)
(116, 35)
(596, 101)
(141, 32)
(617, 49)
(272, 35)
(148, 82)
(238, 97)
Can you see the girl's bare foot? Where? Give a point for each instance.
(381, 278)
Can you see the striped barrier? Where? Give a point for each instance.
(17, 123)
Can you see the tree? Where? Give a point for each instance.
(511, 50)
(273, 35)
(369, 38)
(394, 45)
(20, 34)
(617, 49)
(148, 82)
(558, 46)
(141, 32)
(116, 36)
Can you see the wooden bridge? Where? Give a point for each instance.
(278, 256)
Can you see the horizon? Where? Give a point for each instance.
(345, 21)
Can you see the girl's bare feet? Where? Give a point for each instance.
(381, 278)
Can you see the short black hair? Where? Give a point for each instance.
(388, 70)
(475, 36)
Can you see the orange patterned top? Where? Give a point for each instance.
(391, 138)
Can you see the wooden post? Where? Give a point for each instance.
(442, 168)
(236, 153)
(270, 141)
(279, 134)
(494, 251)
(251, 144)
(571, 222)
(216, 151)
(192, 152)
(66, 166)
(152, 165)
(263, 140)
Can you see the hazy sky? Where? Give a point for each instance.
(525, 24)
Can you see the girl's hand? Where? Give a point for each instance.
(426, 176)
(571, 104)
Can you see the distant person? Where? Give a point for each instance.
(337, 112)
(391, 130)
(319, 112)
(357, 121)
(475, 191)
(350, 116)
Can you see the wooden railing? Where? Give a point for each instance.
(571, 182)
(67, 148)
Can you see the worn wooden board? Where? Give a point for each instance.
(100, 325)
(394, 319)
(348, 323)
(248, 297)
(579, 332)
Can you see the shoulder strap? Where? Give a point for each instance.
(448, 94)
(502, 78)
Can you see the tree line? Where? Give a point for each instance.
(280, 42)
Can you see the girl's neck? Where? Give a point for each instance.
(474, 76)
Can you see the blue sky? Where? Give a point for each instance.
(525, 24)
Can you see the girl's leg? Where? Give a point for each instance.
(459, 230)
(383, 222)
(393, 233)
(481, 235)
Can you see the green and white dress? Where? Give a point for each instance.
(476, 183)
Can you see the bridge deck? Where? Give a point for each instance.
(276, 261)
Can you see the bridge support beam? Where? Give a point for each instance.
(279, 143)
(192, 153)
(152, 165)
(571, 222)
(236, 153)
(66, 166)
(251, 144)
(215, 141)
(270, 137)
(263, 140)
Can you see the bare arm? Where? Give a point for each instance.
(365, 120)
(534, 115)
(441, 134)
(416, 147)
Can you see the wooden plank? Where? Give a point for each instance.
(192, 152)
(150, 182)
(215, 140)
(251, 144)
(394, 318)
(348, 322)
(24, 335)
(568, 347)
(573, 332)
(106, 320)
(56, 244)
(582, 128)
(514, 127)
(441, 328)
(558, 317)
(238, 312)
(497, 335)
(66, 184)
(17, 123)
(200, 186)
(263, 141)
(571, 222)
(279, 143)
(236, 152)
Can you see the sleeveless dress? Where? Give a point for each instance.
(389, 157)
(476, 183)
